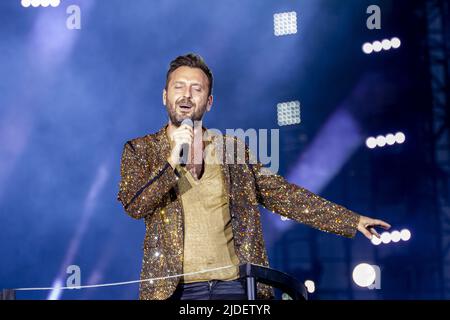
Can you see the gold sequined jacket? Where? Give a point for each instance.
(148, 191)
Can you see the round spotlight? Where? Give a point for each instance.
(35, 3)
(400, 137)
(45, 3)
(377, 46)
(375, 241)
(405, 234)
(396, 236)
(381, 141)
(386, 237)
(310, 286)
(386, 44)
(55, 3)
(25, 3)
(367, 48)
(371, 143)
(390, 139)
(364, 275)
(396, 43)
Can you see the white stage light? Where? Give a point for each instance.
(375, 241)
(381, 141)
(400, 137)
(390, 139)
(377, 46)
(55, 3)
(288, 113)
(386, 44)
(364, 275)
(371, 142)
(396, 43)
(395, 236)
(310, 286)
(386, 237)
(367, 48)
(25, 3)
(405, 234)
(285, 23)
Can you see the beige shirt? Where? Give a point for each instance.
(208, 236)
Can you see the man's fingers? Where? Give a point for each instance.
(382, 224)
(367, 226)
(183, 132)
(367, 234)
(185, 127)
(374, 232)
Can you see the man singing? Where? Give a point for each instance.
(202, 217)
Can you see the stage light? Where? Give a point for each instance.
(395, 236)
(367, 48)
(288, 113)
(386, 44)
(390, 139)
(25, 3)
(405, 234)
(400, 137)
(364, 275)
(310, 286)
(381, 141)
(371, 143)
(377, 46)
(285, 23)
(375, 241)
(396, 43)
(386, 237)
(42, 3)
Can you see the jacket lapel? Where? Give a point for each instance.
(164, 145)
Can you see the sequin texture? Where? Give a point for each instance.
(147, 191)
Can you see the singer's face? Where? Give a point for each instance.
(187, 95)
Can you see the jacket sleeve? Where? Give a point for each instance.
(138, 193)
(297, 203)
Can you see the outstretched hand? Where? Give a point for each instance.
(367, 226)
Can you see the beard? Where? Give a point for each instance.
(177, 118)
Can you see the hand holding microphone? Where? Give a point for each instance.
(182, 139)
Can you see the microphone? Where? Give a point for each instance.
(184, 152)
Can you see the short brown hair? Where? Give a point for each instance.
(190, 60)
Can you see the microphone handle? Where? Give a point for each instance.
(184, 152)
